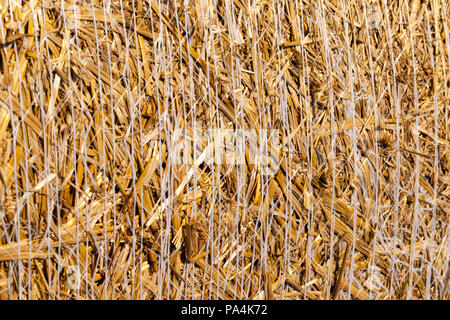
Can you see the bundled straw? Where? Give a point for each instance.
(224, 149)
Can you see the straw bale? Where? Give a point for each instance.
(96, 203)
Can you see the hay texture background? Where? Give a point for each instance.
(93, 92)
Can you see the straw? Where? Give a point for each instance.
(224, 149)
